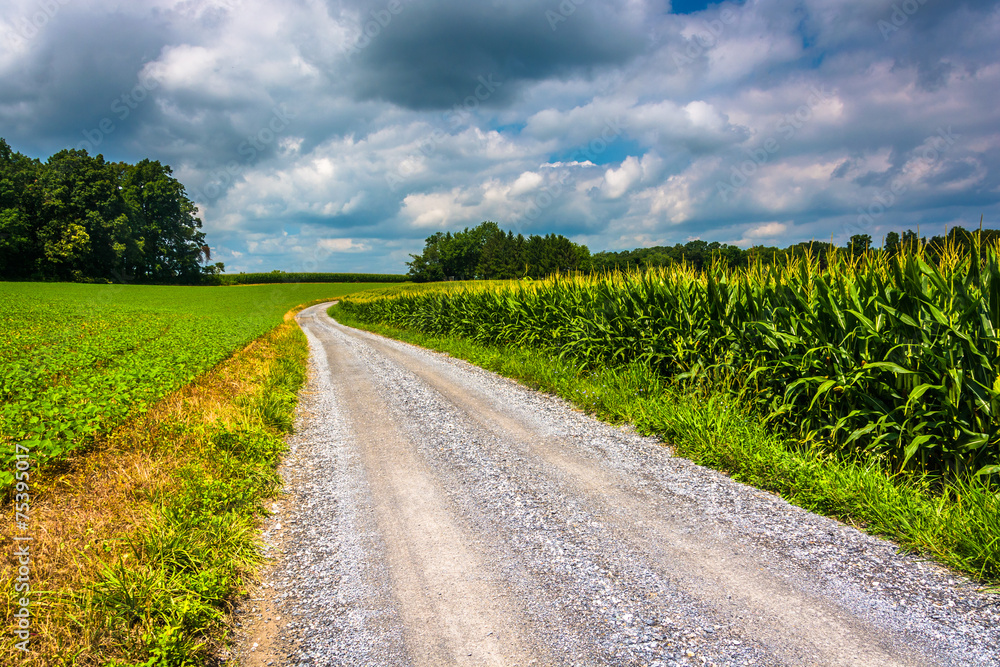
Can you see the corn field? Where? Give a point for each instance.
(889, 358)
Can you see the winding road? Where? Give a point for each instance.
(438, 514)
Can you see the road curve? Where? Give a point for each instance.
(438, 514)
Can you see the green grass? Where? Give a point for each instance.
(958, 525)
(75, 360)
(166, 604)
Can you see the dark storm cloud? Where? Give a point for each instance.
(77, 67)
(432, 54)
(939, 38)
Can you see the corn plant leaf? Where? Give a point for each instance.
(895, 368)
(912, 448)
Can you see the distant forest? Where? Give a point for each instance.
(77, 217)
(487, 252)
(699, 253)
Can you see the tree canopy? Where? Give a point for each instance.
(487, 252)
(698, 253)
(77, 217)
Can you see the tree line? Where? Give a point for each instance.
(487, 252)
(78, 217)
(700, 253)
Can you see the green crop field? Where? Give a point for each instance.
(76, 359)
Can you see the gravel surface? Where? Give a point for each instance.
(439, 514)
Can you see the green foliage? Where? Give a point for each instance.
(880, 358)
(859, 244)
(77, 359)
(77, 217)
(701, 254)
(486, 252)
(696, 253)
(189, 560)
(163, 603)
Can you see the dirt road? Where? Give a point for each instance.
(438, 514)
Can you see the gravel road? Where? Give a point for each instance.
(438, 514)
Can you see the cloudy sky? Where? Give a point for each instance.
(336, 135)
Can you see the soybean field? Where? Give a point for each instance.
(76, 359)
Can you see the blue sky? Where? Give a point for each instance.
(337, 135)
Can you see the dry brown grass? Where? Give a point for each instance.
(84, 511)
